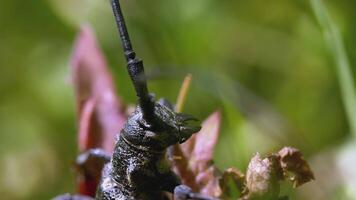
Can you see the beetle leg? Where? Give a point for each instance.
(183, 192)
(98, 155)
(89, 167)
(169, 182)
(72, 197)
(91, 162)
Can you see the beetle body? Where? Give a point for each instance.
(138, 168)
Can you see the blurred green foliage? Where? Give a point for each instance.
(265, 65)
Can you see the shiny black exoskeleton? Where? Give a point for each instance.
(138, 168)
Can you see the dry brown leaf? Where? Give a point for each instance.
(263, 175)
(262, 179)
(236, 176)
(291, 160)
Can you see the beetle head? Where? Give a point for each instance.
(167, 128)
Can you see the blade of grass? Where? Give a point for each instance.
(183, 93)
(333, 38)
(180, 161)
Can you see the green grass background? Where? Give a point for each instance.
(280, 71)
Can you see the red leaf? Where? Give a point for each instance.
(100, 112)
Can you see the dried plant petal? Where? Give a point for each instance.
(100, 111)
(235, 176)
(263, 175)
(261, 179)
(291, 160)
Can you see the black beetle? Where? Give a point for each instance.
(138, 169)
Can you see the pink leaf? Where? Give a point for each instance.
(208, 182)
(181, 167)
(100, 112)
(86, 137)
(192, 159)
(205, 143)
(188, 146)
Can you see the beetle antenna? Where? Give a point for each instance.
(134, 65)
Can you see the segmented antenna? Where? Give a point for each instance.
(134, 65)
